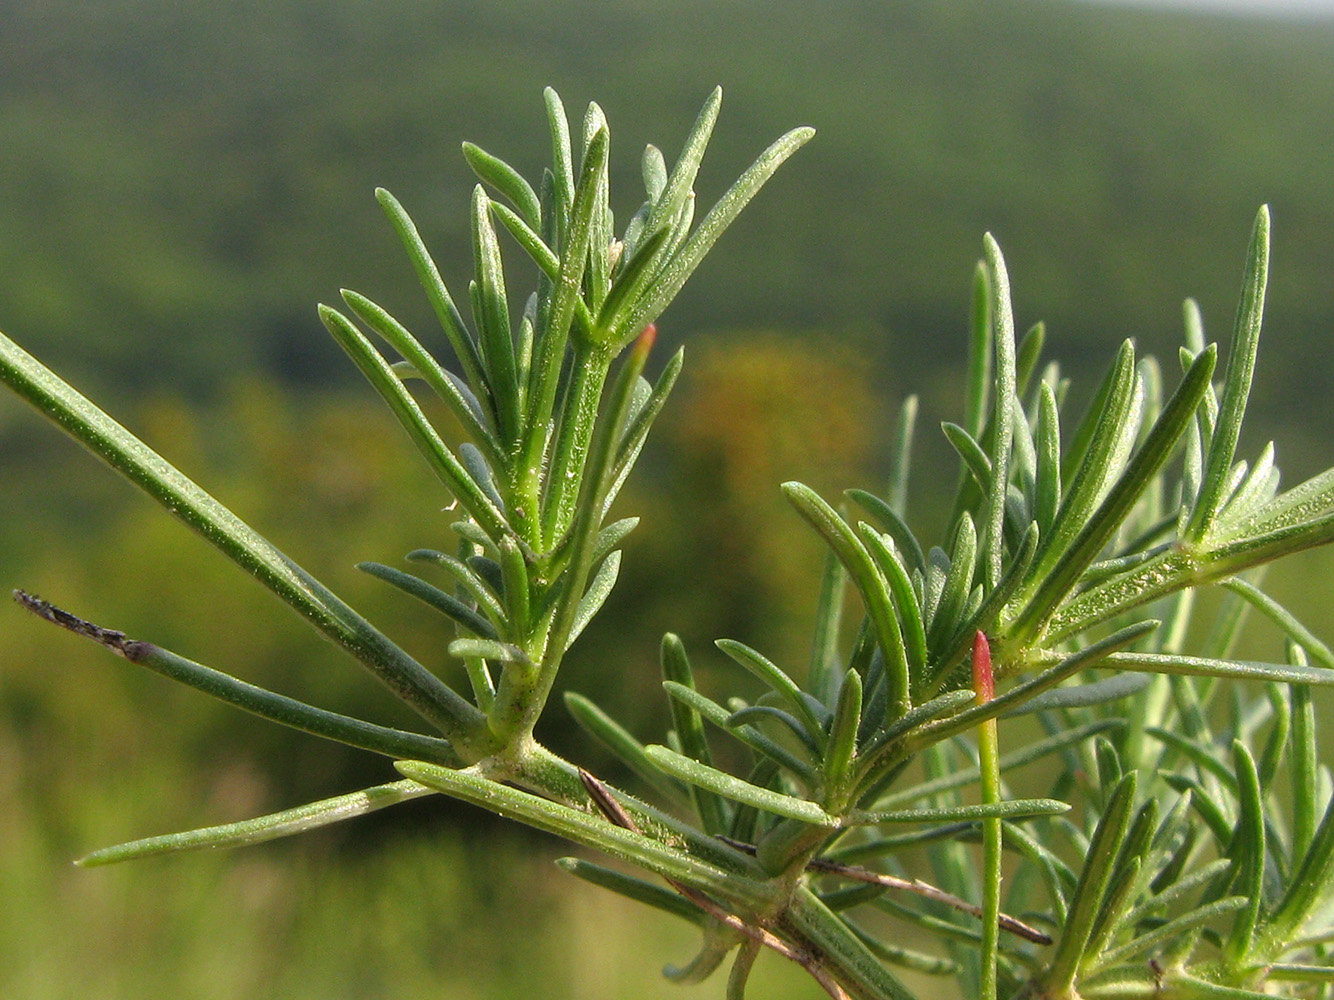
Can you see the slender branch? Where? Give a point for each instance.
(859, 874)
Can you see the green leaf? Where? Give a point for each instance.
(636, 432)
(1008, 809)
(889, 521)
(1174, 929)
(1110, 439)
(545, 374)
(748, 735)
(753, 714)
(958, 584)
(823, 671)
(974, 459)
(1310, 884)
(595, 595)
(1085, 695)
(271, 827)
(506, 180)
(490, 649)
(678, 187)
(147, 470)
(682, 264)
(456, 395)
(1305, 754)
(1284, 619)
(1047, 482)
(428, 275)
(772, 675)
(1087, 901)
(1199, 666)
(1005, 386)
(590, 830)
(1083, 549)
(1248, 849)
(615, 738)
(256, 700)
(477, 588)
(1015, 759)
(977, 384)
(843, 732)
(433, 596)
(869, 581)
(734, 788)
(633, 888)
(491, 315)
(442, 461)
(689, 729)
(1236, 383)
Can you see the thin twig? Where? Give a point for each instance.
(610, 808)
(915, 885)
(115, 641)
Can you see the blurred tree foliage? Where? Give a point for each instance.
(179, 182)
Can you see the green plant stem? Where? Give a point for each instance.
(988, 747)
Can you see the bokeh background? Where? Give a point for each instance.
(179, 183)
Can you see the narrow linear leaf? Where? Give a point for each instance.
(749, 735)
(147, 470)
(1174, 929)
(1015, 759)
(772, 675)
(734, 788)
(479, 589)
(869, 581)
(683, 263)
(490, 649)
(456, 395)
(843, 732)
(1199, 666)
(615, 738)
(588, 829)
(442, 461)
(1005, 389)
(428, 275)
(1008, 809)
(546, 368)
(1089, 894)
(256, 700)
(505, 180)
(1122, 497)
(891, 522)
(1236, 382)
(493, 319)
(271, 827)
(596, 594)
(637, 889)
(822, 674)
(433, 596)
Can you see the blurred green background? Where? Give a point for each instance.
(179, 183)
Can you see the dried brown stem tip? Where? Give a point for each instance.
(115, 641)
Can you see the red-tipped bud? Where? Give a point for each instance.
(644, 342)
(984, 681)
